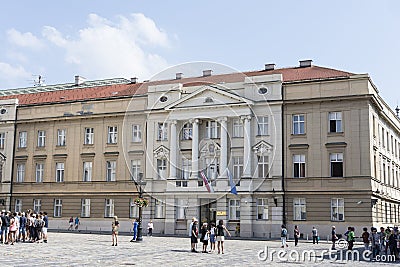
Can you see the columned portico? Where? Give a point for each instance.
(247, 147)
(173, 151)
(195, 148)
(224, 147)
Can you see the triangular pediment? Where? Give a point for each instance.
(208, 96)
(262, 147)
(161, 152)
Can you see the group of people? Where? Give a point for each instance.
(208, 233)
(115, 228)
(23, 227)
(73, 223)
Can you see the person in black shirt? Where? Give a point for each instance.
(221, 229)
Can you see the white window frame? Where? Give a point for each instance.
(180, 209)
(18, 205)
(159, 210)
(237, 130)
(299, 209)
(187, 131)
(2, 140)
(162, 131)
(262, 208)
(234, 209)
(112, 135)
(336, 158)
(22, 139)
(263, 163)
(298, 124)
(39, 172)
(136, 166)
(37, 205)
(89, 136)
(41, 141)
(162, 168)
(60, 172)
(237, 168)
(111, 170)
(262, 125)
(337, 204)
(136, 133)
(109, 208)
(85, 207)
(186, 169)
(20, 172)
(336, 119)
(212, 129)
(61, 137)
(299, 165)
(133, 209)
(57, 208)
(87, 171)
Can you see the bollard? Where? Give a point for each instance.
(307, 237)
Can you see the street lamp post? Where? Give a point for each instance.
(139, 185)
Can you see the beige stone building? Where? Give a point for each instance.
(305, 145)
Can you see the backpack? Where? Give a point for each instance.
(283, 232)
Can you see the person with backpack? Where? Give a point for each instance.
(283, 236)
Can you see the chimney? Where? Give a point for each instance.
(305, 63)
(134, 80)
(179, 75)
(207, 73)
(269, 66)
(79, 80)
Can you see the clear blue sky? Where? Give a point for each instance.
(104, 39)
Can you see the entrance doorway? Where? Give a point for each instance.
(208, 210)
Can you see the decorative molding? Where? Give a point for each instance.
(262, 147)
(299, 146)
(161, 152)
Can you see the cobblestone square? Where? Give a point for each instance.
(78, 249)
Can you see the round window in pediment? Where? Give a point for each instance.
(263, 90)
(163, 99)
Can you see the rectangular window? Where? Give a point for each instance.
(337, 209)
(41, 142)
(335, 122)
(60, 169)
(263, 166)
(111, 171)
(298, 124)
(89, 136)
(262, 126)
(237, 169)
(383, 137)
(187, 131)
(136, 166)
(57, 207)
(133, 209)
(85, 212)
(162, 131)
(112, 136)
(186, 168)
(61, 137)
(2, 140)
(39, 171)
(299, 209)
(37, 205)
(180, 209)
(109, 208)
(212, 129)
(336, 160)
(87, 171)
(20, 172)
(1, 171)
(237, 128)
(159, 209)
(262, 209)
(18, 205)
(136, 133)
(299, 166)
(162, 168)
(234, 209)
(22, 138)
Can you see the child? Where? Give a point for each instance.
(212, 237)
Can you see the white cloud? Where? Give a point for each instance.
(12, 75)
(26, 39)
(113, 49)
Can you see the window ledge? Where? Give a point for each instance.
(335, 133)
(298, 135)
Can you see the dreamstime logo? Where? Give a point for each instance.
(311, 255)
(214, 106)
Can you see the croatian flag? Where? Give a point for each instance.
(209, 187)
(233, 185)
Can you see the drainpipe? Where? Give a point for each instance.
(12, 156)
(283, 158)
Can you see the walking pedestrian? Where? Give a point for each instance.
(114, 230)
(365, 238)
(283, 236)
(315, 236)
(194, 235)
(71, 223)
(135, 229)
(150, 227)
(334, 237)
(77, 223)
(221, 229)
(296, 234)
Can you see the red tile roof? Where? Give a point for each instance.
(129, 89)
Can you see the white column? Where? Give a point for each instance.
(247, 147)
(223, 162)
(195, 148)
(173, 151)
